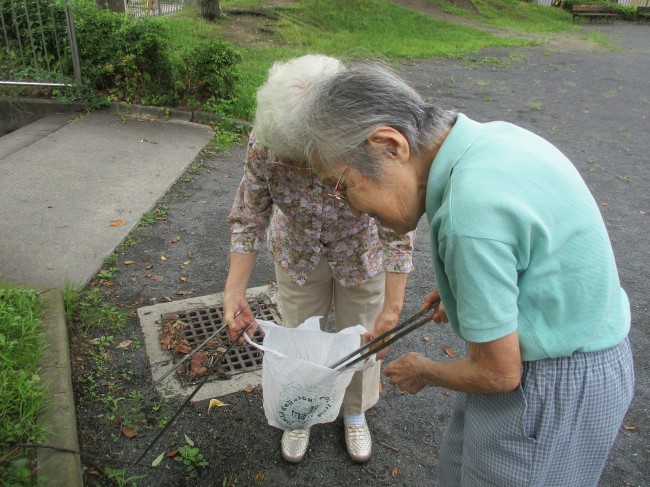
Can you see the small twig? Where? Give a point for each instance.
(388, 446)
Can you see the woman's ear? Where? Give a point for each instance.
(389, 141)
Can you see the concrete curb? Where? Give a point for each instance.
(58, 419)
(173, 114)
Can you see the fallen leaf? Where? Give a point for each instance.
(604, 203)
(217, 403)
(184, 293)
(642, 212)
(629, 428)
(165, 341)
(425, 339)
(129, 432)
(155, 277)
(171, 453)
(449, 352)
(128, 262)
(175, 239)
(258, 478)
(445, 393)
(182, 348)
(149, 267)
(124, 344)
(394, 473)
(189, 254)
(183, 279)
(158, 459)
(186, 262)
(248, 389)
(118, 223)
(162, 257)
(199, 364)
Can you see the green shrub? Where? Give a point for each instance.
(122, 57)
(625, 12)
(207, 70)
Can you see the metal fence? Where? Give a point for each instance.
(38, 43)
(142, 8)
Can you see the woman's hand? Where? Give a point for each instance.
(385, 321)
(439, 314)
(237, 315)
(406, 372)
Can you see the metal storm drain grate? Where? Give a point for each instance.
(185, 330)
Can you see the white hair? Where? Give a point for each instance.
(282, 100)
(349, 106)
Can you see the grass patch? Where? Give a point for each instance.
(515, 16)
(360, 29)
(22, 395)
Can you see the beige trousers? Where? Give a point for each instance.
(352, 306)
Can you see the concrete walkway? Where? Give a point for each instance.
(61, 195)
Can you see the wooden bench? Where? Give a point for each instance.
(593, 12)
(642, 14)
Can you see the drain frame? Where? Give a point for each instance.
(200, 323)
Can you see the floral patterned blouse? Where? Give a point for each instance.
(303, 224)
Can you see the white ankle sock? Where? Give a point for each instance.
(355, 420)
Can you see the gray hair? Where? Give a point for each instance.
(349, 106)
(280, 102)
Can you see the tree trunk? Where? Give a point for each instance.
(210, 9)
(114, 5)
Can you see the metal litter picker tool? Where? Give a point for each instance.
(189, 398)
(390, 337)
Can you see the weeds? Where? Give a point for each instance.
(102, 342)
(149, 218)
(190, 456)
(226, 134)
(88, 311)
(22, 395)
(119, 477)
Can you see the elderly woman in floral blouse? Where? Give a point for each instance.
(323, 251)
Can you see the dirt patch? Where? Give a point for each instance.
(254, 26)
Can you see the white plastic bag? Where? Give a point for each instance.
(299, 388)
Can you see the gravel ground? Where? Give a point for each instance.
(592, 102)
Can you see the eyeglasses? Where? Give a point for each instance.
(338, 194)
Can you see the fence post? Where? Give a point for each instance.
(74, 50)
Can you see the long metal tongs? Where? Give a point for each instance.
(390, 337)
(129, 403)
(211, 369)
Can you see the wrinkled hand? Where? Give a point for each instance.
(385, 321)
(237, 315)
(439, 314)
(407, 372)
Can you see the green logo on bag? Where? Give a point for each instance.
(300, 403)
